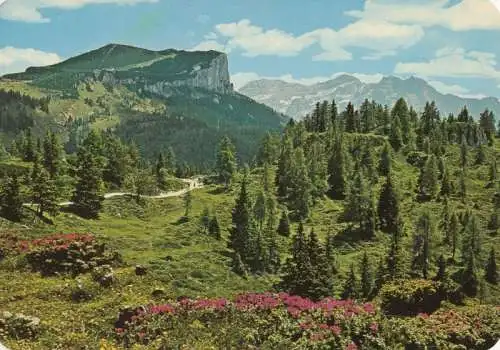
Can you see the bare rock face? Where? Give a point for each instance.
(213, 78)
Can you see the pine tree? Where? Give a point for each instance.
(299, 193)
(394, 260)
(422, 244)
(400, 110)
(284, 225)
(240, 234)
(333, 113)
(471, 240)
(226, 161)
(480, 155)
(170, 161)
(446, 184)
(428, 181)
(259, 209)
(52, 154)
(385, 162)
(337, 170)
(395, 135)
(43, 190)
(87, 198)
(28, 147)
(441, 264)
(487, 123)
(366, 277)
(369, 167)
(490, 272)
(388, 207)
(285, 160)
(349, 116)
(462, 186)
(379, 277)
(298, 270)
(469, 280)
(350, 290)
(317, 169)
(321, 282)
(463, 116)
(10, 200)
(187, 199)
(268, 149)
(205, 219)
(214, 229)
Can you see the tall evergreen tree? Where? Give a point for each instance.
(487, 123)
(366, 282)
(299, 195)
(317, 167)
(333, 113)
(400, 110)
(283, 176)
(428, 181)
(52, 154)
(259, 209)
(87, 197)
(490, 271)
(388, 207)
(349, 116)
(284, 224)
(395, 135)
(337, 170)
(441, 264)
(226, 161)
(10, 200)
(394, 260)
(321, 280)
(422, 244)
(240, 234)
(350, 289)
(28, 147)
(385, 162)
(43, 190)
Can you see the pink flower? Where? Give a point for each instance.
(374, 327)
(352, 346)
(336, 330)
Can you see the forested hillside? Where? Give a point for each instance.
(367, 228)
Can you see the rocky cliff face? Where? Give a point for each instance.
(211, 75)
(215, 78)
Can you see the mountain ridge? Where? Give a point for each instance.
(296, 100)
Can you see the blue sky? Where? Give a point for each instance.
(454, 44)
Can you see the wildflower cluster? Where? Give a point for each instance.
(66, 253)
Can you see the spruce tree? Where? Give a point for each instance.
(259, 209)
(299, 192)
(471, 240)
(481, 155)
(395, 135)
(369, 167)
(487, 123)
(333, 113)
(321, 281)
(87, 198)
(446, 184)
(394, 260)
(366, 282)
(284, 224)
(428, 180)
(388, 207)
(490, 272)
(349, 116)
(379, 277)
(441, 265)
(400, 110)
(317, 169)
(385, 162)
(240, 234)
(422, 244)
(43, 190)
(11, 204)
(283, 175)
(337, 170)
(52, 154)
(298, 270)
(226, 161)
(214, 229)
(350, 289)
(470, 281)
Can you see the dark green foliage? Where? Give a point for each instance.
(18, 111)
(284, 225)
(441, 273)
(366, 280)
(188, 203)
(395, 136)
(299, 191)
(44, 191)
(490, 271)
(214, 228)
(28, 148)
(410, 297)
(422, 245)
(487, 123)
(226, 161)
(337, 170)
(10, 200)
(384, 165)
(87, 198)
(52, 154)
(388, 207)
(351, 288)
(428, 181)
(307, 272)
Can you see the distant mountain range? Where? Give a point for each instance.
(297, 100)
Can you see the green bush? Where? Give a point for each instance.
(410, 297)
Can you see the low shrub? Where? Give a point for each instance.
(19, 326)
(410, 297)
(67, 253)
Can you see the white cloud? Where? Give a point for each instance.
(454, 62)
(29, 10)
(465, 15)
(14, 60)
(444, 88)
(496, 3)
(255, 41)
(380, 37)
(242, 78)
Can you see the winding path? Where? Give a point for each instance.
(193, 183)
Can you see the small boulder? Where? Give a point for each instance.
(140, 270)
